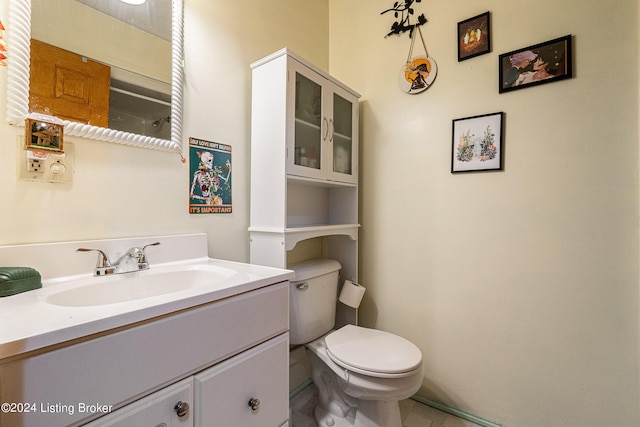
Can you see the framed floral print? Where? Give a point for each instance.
(477, 143)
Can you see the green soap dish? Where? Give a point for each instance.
(14, 280)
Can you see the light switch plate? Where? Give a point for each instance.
(45, 166)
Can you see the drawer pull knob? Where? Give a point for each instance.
(181, 408)
(254, 404)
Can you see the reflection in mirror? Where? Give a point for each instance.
(111, 60)
(142, 95)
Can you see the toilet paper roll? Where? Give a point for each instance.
(351, 294)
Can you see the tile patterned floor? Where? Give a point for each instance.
(414, 414)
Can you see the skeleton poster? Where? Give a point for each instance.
(210, 177)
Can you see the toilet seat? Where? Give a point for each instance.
(373, 352)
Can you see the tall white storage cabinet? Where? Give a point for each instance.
(304, 163)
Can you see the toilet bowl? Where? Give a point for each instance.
(360, 373)
(355, 385)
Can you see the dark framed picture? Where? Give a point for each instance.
(477, 143)
(474, 37)
(535, 65)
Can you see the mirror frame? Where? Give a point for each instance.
(19, 35)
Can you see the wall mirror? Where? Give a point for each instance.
(152, 90)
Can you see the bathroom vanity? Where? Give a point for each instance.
(210, 353)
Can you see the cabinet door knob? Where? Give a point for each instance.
(181, 408)
(254, 404)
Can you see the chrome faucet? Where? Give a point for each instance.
(133, 259)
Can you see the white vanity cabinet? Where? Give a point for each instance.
(304, 162)
(214, 357)
(241, 391)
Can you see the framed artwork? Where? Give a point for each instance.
(43, 132)
(535, 65)
(210, 177)
(477, 143)
(474, 37)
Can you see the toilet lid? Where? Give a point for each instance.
(372, 352)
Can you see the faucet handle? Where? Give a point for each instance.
(103, 260)
(150, 244)
(142, 255)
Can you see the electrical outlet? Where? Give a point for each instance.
(35, 165)
(45, 166)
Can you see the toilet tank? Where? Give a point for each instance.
(313, 296)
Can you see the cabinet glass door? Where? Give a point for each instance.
(342, 136)
(308, 127)
(342, 140)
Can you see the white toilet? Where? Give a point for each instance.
(360, 373)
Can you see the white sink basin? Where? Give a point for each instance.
(127, 287)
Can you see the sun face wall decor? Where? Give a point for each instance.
(419, 72)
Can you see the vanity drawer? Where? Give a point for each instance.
(124, 366)
(246, 390)
(157, 409)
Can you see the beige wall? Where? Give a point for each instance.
(520, 287)
(124, 191)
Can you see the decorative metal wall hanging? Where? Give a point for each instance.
(419, 72)
(403, 11)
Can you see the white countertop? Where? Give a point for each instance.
(29, 322)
